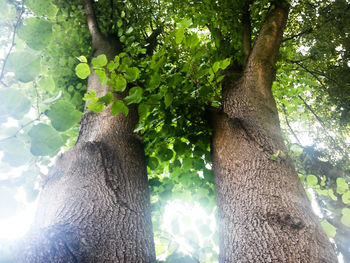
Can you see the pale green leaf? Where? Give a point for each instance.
(345, 219)
(328, 228)
(35, 32)
(13, 104)
(342, 186)
(15, 152)
(346, 197)
(312, 180)
(25, 65)
(45, 140)
(42, 7)
(47, 84)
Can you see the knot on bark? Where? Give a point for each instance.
(286, 220)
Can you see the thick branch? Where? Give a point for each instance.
(246, 45)
(268, 42)
(94, 29)
(152, 40)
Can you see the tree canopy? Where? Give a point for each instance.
(175, 58)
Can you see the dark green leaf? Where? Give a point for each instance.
(118, 107)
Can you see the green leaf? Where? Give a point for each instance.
(119, 83)
(118, 107)
(99, 61)
(143, 110)
(168, 99)
(15, 152)
(225, 63)
(106, 99)
(45, 140)
(129, 31)
(312, 180)
(101, 73)
(191, 41)
(42, 7)
(47, 84)
(179, 35)
(345, 219)
(342, 186)
(63, 115)
(328, 228)
(82, 70)
(346, 197)
(90, 95)
(95, 107)
(154, 81)
(152, 163)
(82, 59)
(165, 154)
(13, 104)
(132, 74)
(25, 65)
(216, 66)
(186, 22)
(35, 32)
(135, 95)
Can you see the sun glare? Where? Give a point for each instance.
(18, 225)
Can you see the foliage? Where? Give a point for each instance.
(174, 78)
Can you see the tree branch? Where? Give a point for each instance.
(94, 29)
(323, 125)
(246, 38)
(12, 44)
(268, 42)
(290, 128)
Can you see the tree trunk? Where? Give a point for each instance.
(95, 205)
(264, 213)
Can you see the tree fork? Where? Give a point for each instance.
(264, 213)
(95, 205)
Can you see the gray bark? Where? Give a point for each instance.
(264, 213)
(95, 205)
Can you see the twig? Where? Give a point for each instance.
(21, 128)
(290, 128)
(12, 44)
(323, 125)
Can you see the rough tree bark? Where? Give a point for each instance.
(95, 205)
(264, 213)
